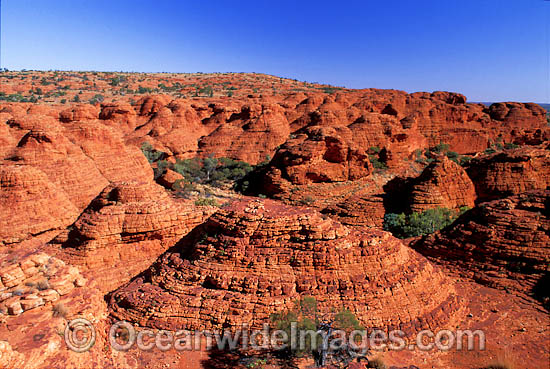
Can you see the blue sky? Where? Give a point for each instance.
(490, 50)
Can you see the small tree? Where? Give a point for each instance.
(209, 164)
(419, 224)
(150, 153)
(315, 331)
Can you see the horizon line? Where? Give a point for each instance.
(4, 69)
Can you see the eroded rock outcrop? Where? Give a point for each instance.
(442, 184)
(256, 257)
(361, 210)
(31, 206)
(45, 147)
(125, 229)
(503, 243)
(321, 155)
(31, 280)
(80, 158)
(510, 172)
(251, 134)
(10, 358)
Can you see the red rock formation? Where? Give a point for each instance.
(125, 229)
(443, 184)
(105, 146)
(249, 135)
(320, 156)
(80, 112)
(31, 280)
(251, 127)
(80, 158)
(121, 115)
(6, 140)
(510, 172)
(31, 206)
(10, 358)
(255, 257)
(45, 147)
(169, 179)
(503, 243)
(360, 210)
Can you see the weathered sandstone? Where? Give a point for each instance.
(31, 206)
(504, 243)
(125, 229)
(255, 258)
(510, 172)
(443, 184)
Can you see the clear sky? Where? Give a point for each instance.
(490, 50)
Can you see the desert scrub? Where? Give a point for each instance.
(305, 316)
(59, 310)
(375, 154)
(203, 201)
(150, 153)
(307, 201)
(43, 284)
(376, 363)
(418, 224)
(212, 171)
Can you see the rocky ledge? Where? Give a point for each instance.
(256, 257)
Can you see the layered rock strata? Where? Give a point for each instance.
(503, 243)
(31, 206)
(125, 229)
(255, 258)
(442, 184)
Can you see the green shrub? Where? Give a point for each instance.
(190, 169)
(418, 224)
(510, 145)
(376, 363)
(150, 153)
(452, 155)
(203, 201)
(160, 169)
(305, 316)
(377, 163)
(213, 171)
(12, 97)
(440, 148)
(330, 89)
(464, 159)
(257, 364)
(308, 200)
(98, 98)
(144, 90)
(115, 81)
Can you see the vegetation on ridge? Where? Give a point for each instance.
(419, 224)
(310, 326)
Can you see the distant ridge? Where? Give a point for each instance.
(545, 106)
